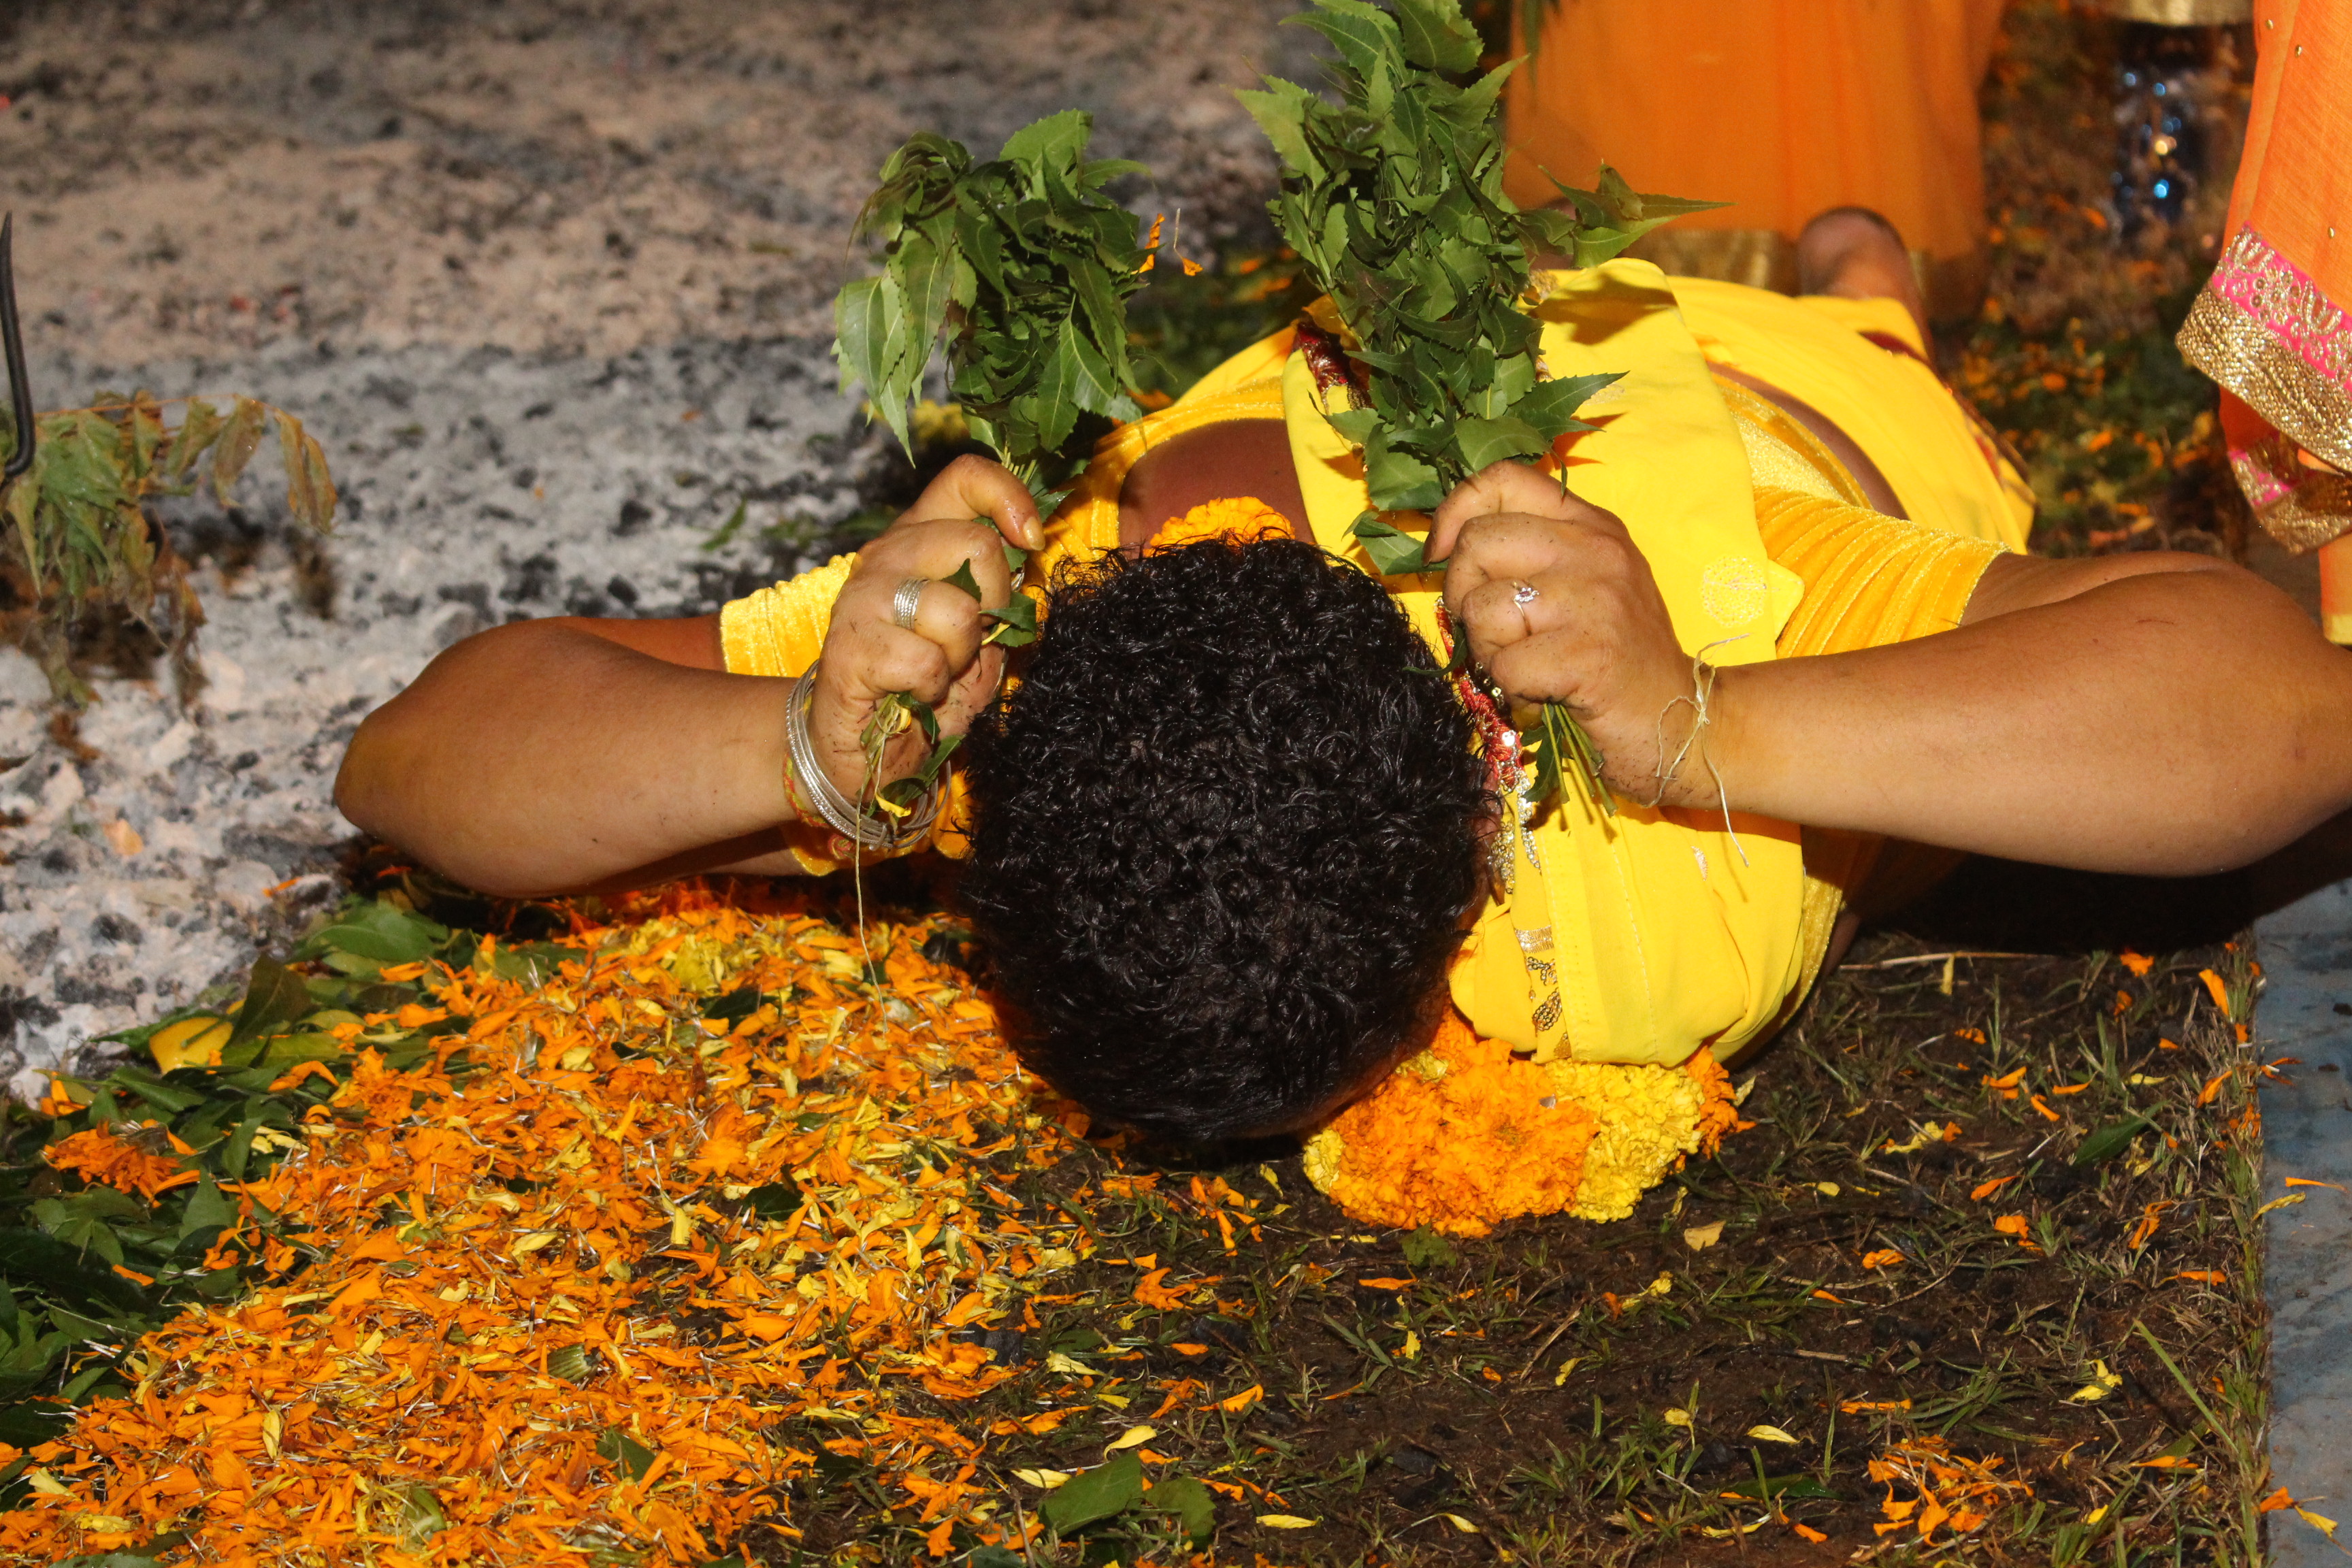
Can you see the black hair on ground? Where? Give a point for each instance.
(1225, 830)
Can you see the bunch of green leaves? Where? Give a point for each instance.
(68, 1310)
(1393, 199)
(77, 539)
(1024, 266)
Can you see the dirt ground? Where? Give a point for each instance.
(207, 179)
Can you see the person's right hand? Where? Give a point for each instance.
(1559, 605)
(967, 515)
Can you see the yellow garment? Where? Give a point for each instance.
(1636, 937)
(1642, 937)
(1943, 466)
(1870, 579)
(781, 630)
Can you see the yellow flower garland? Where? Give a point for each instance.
(1466, 1134)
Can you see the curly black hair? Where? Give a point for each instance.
(1225, 831)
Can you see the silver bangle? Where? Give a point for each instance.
(865, 830)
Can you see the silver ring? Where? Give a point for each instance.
(904, 603)
(1523, 594)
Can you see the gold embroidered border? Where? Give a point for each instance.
(2301, 508)
(2242, 354)
(2183, 13)
(2315, 512)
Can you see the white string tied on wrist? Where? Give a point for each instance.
(1701, 704)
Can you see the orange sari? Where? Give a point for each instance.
(2274, 325)
(1783, 108)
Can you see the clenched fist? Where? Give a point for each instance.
(1559, 605)
(964, 518)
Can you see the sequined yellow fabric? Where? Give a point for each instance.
(1782, 455)
(1943, 468)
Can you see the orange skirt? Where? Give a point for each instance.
(1782, 108)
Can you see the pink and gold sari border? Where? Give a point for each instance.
(2301, 508)
(2262, 328)
(2265, 330)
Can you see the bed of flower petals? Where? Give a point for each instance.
(608, 1275)
(1950, 1491)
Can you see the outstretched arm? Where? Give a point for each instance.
(2153, 714)
(556, 756)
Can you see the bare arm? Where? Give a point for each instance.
(561, 754)
(2148, 714)
(2166, 723)
(542, 757)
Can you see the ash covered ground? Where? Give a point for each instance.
(551, 282)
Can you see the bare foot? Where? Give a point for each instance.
(1855, 254)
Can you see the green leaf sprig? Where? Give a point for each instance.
(1393, 199)
(1024, 266)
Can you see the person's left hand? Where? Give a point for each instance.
(1559, 605)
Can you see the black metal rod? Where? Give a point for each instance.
(12, 348)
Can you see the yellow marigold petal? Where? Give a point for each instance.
(1465, 1135)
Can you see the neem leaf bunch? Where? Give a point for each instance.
(1393, 199)
(1025, 266)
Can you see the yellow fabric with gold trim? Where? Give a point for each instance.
(1944, 466)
